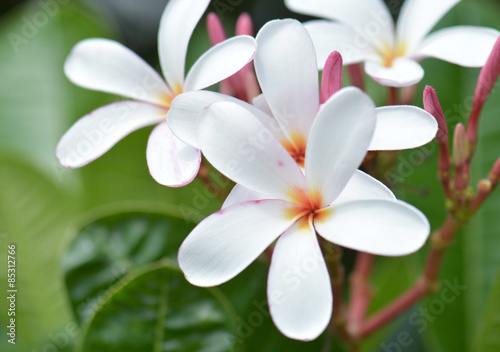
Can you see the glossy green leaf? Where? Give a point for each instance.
(109, 247)
(155, 309)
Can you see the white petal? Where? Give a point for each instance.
(241, 194)
(226, 242)
(416, 19)
(94, 134)
(462, 45)
(260, 103)
(186, 110)
(220, 62)
(298, 286)
(176, 27)
(369, 18)
(239, 146)
(338, 142)
(403, 72)
(362, 186)
(381, 227)
(329, 36)
(171, 162)
(402, 127)
(108, 66)
(288, 75)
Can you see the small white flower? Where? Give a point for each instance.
(332, 199)
(108, 66)
(364, 31)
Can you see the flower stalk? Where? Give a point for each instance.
(356, 76)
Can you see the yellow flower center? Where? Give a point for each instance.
(388, 53)
(167, 98)
(307, 206)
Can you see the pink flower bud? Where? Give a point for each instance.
(244, 25)
(486, 81)
(433, 107)
(331, 80)
(215, 29)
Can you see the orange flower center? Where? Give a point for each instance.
(307, 206)
(296, 147)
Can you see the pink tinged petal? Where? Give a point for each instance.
(331, 81)
(241, 194)
(287, 72)
(241, 148)
(370, 19)
(171, 162)
(94, 134)
(462, 45)
(362, 186)
(338, 142)
(416, 19)
(381, 227)
(186, 110)
(329, 36)
(298, 286)
(108, 66)
(177, 24)
(220, 62)
(215, 29)
(403, 72)
(226, 242)
(402, 127)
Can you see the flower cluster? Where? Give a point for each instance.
(294, 151)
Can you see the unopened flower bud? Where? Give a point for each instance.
(244, 25)
(486, 81)
(215, 29)
(433, 107)
(331, 80)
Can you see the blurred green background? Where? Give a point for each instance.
(96, 247)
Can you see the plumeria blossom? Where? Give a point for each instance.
(329, 198)
(364, 31)
(108, 66)
(288, 75)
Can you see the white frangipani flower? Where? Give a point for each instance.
(364, 31)
(332, 199)
(108, 66)
(286, 69)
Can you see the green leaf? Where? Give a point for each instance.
(487, 337)
(109, 247)
(34, 214)
(155, 309)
